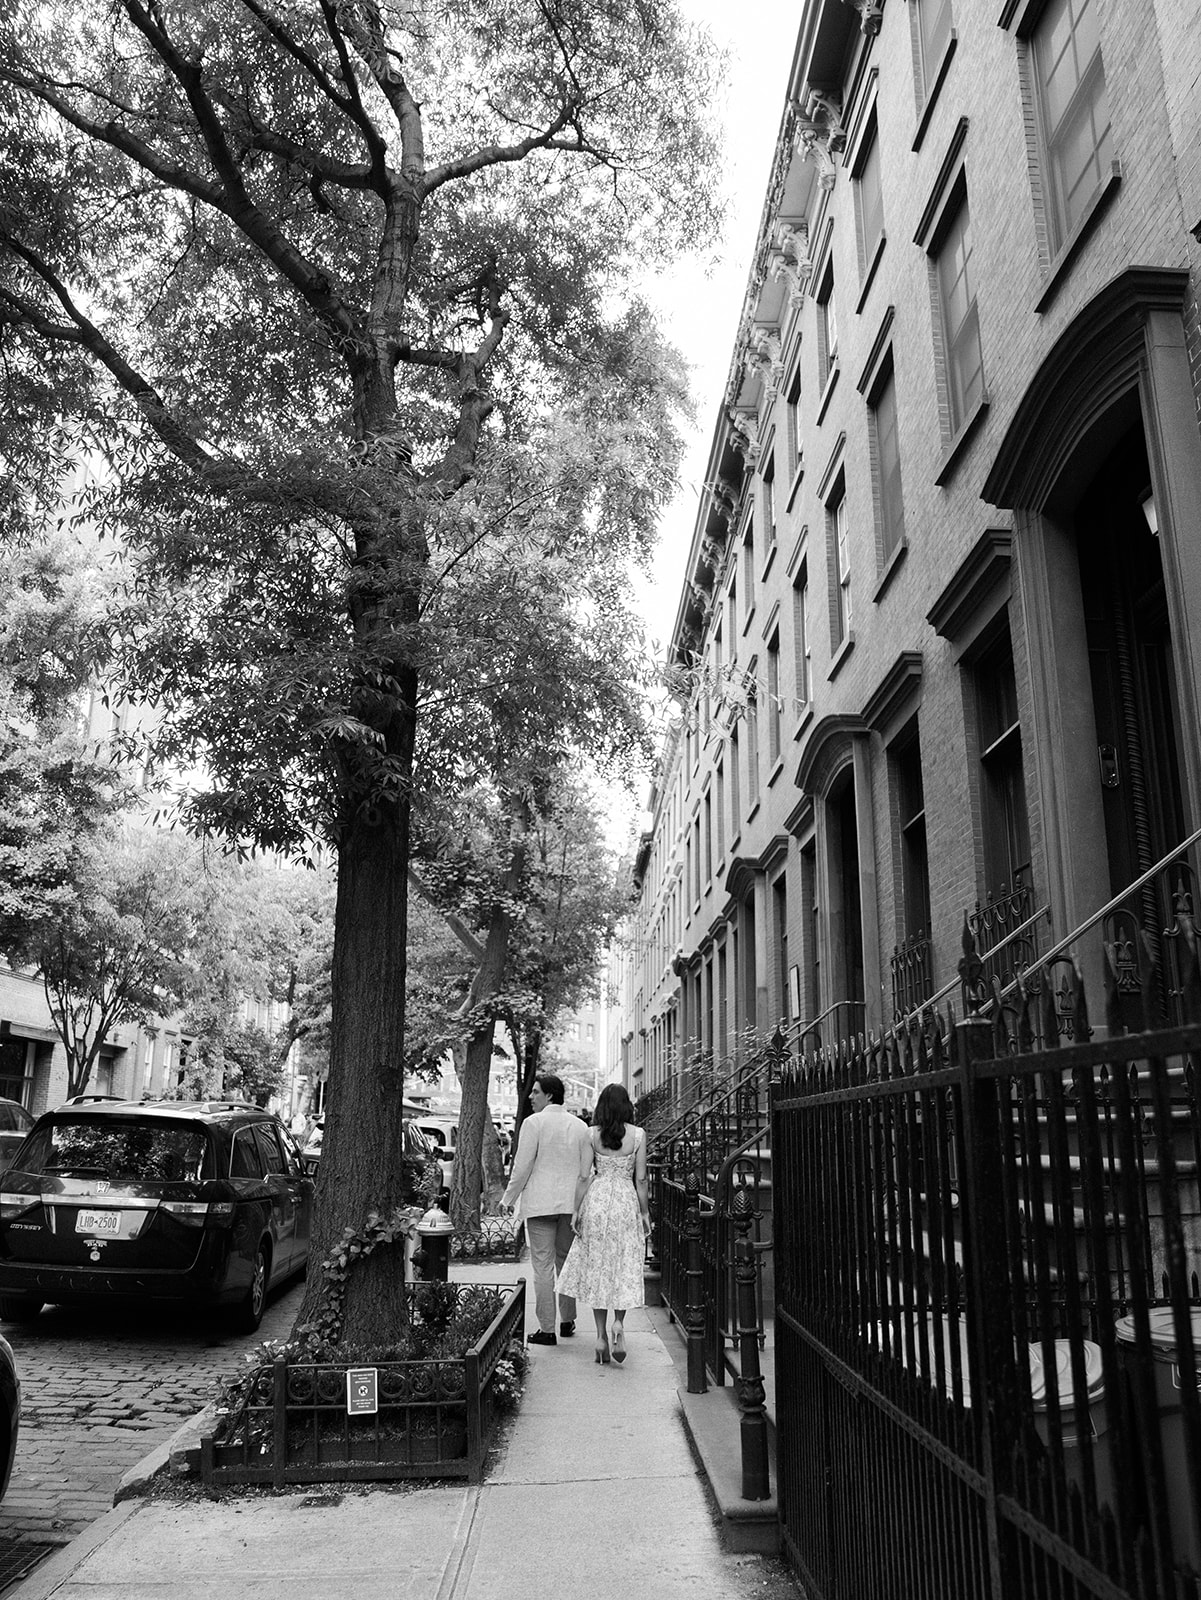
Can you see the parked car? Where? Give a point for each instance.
(15, 1123)
(422, 1171)
(10, 1413)
(204, 1203)
(443, 1133)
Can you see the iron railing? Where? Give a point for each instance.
(988, 1314)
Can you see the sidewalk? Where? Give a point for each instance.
(595, 1492)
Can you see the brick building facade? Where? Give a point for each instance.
(939, 640)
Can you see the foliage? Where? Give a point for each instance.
(342, 293)
(323, 1329)
(252, 1069)
(55, 791)
(120, 949)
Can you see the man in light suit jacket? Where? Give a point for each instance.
(554, 1151)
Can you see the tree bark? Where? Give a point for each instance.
(486, 985)
(360, 1171)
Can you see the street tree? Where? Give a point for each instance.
(55, 790)
(532, 910)
(322, 280)
(121, 949)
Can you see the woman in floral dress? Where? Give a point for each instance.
(611, 1221)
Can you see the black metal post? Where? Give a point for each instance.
(751, 1397)
(694, 1310)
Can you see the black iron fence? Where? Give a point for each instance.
(988, 1314)
(295, 1422)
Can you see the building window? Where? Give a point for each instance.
(1006, 830)
(748, 565)
(800, 633)
(911, 819)
(827, 326)
(869, 201)
(708, 837)
(735, 786)
(960, 321)
(769, 503)
(773, 699)
(696, 855)
(933, 37)
(1073, 110)
(715, 687)
(796, 444)
(840, 551)
(720, 809)
(888, 467)
(752, 736)
(780, 910)
(733, 605)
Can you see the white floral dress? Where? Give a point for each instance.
(605, 1263)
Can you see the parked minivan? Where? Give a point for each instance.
(206, 1203)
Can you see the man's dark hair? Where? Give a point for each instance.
(552, 1086)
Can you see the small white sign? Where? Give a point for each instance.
(362, 1390)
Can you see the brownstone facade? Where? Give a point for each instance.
(939, 640)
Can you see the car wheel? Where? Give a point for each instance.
(19, 1307)
(248, 1312)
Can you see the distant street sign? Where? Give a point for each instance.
(362, 1390)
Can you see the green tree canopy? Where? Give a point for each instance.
(329, 283)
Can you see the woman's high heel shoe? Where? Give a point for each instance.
(619, 1345)
(602, 1352)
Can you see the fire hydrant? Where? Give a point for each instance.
(432, 1256)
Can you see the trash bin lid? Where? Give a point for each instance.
(1163, 1328)
(940, 1328)
(1041, 1379)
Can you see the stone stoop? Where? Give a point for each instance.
(713, 1424)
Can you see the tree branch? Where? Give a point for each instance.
(455, 923)
(493, 155)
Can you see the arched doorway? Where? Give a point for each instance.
(1131, 667)
(1101, 465)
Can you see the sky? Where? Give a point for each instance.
(701, 313)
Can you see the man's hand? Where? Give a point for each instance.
(505, 1209)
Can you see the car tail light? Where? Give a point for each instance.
(12, 1205)
(195, 1213)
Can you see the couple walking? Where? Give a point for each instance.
(584, 1199)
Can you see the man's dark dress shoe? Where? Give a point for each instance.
(566, 1329)
(541, 1338)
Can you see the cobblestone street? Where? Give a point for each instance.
(100, 1388)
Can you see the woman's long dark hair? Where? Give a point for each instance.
(613, 1112)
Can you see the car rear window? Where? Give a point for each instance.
(124, 1150)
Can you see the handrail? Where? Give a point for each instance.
(952, 983)
(721, 1087)
(815, 1022)
(1057, 950)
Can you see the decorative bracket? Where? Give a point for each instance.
(764, 355)
(744, 436)
(788, 258)
(819, 129)
(871, 14)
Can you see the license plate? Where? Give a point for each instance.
(98, 1222)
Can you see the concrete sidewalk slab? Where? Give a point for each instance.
(594, 1490)
(373, 1546)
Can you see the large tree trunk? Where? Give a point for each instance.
(493, 1167)
(486, 985)
(473, 1113)
(360, 1171)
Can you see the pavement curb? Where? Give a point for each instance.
(172, 1452)
(56, 1569)
(712, 1423)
